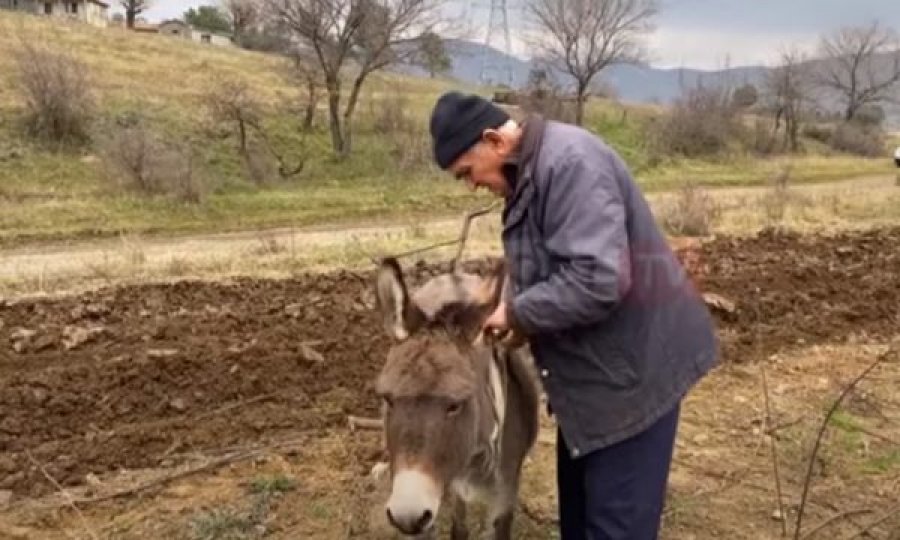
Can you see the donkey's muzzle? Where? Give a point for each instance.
(410, 525)
(413, 505)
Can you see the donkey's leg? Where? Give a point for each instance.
(502, 508)
(503, 525)
(459, 530)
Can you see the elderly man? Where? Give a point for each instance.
(618, 332)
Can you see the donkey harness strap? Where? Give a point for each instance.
(497, 390)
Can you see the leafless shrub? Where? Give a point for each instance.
(702, 122)
(779, 198)
(130, 151)
(858, 140)
(231, 103)
(692, 213)
(178, 172)
(775, 201)
(259, 165)
(764, 139)
(543, 96)
(788, 93)
(140, 161)
(411, 150)
(391, 114)
(818, 132)
(57, 94)
(268, 245)
(407, 139)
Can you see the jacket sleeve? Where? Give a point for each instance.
(585, 235)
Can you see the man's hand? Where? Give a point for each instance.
(498, 323)
(503, 328)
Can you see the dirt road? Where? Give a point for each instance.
(74, 259)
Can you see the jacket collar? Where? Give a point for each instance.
(529, 148)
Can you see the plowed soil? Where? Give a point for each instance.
(129, 377)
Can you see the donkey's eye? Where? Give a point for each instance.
(454, 408)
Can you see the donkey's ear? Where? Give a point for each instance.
(399, 316)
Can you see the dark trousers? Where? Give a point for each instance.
(617, 493)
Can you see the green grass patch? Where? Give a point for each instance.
(882, 464)
(269, 485)
(849, 437)
(221, 524)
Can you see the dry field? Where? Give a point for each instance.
(217, 409)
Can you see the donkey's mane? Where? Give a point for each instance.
(434, 360)
(458, 319)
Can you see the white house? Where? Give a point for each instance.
(180, 29)
(94, 12)
(213, 38)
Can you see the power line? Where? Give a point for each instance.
(494, 68)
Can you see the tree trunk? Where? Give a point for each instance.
(794, 131)
(242, 129)
(579, 103)
(334, 116)
(852, 107)
(348, 113)
(312, 100)
(130, 17)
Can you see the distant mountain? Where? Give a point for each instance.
(635, 84)
(631, 83)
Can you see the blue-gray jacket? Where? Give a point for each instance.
(617, 329)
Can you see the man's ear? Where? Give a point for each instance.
(492, 137)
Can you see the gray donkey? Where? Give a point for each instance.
(461, 410)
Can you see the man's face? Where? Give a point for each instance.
(482, 165)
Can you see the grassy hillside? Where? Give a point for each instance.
(46, 193)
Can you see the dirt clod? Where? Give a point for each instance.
(75, 336)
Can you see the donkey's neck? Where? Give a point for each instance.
(492, 403)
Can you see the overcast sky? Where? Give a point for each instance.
(704, 33)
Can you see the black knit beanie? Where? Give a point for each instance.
(457, 123)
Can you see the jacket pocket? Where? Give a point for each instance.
(588, 356)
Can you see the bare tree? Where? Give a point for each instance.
(231, 102)
(371, 33)
(309, 76)
(243, 15)
(584, 37)
(861, 64)
(133, 8)
(789, 87)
